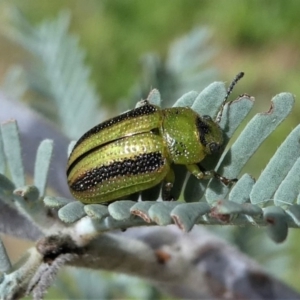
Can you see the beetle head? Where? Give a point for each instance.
(210, 134)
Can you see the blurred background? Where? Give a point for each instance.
(176, 46)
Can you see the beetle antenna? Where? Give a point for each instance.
(229, 91)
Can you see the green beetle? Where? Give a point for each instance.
(135, 151)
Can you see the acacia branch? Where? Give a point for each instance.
(195, 265)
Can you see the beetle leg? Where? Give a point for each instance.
(168, 184)
(201, 173)
(223, 179)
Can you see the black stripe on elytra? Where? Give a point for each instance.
(140, 164)
(203, 130)
(80, 157)
(137, 112)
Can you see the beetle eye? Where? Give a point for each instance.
(207, 117)
(214, 147)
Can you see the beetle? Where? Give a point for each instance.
(135, 151)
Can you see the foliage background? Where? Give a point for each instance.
(261, 38)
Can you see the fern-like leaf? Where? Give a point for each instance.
(60, 74)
